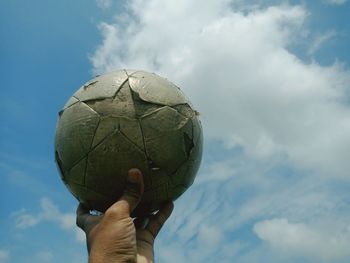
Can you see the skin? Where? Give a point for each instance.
(115, 237)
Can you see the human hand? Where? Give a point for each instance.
(115, 237)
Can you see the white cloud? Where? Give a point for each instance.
(215, 218)
(4, 255)
(299, 239)
(210, 235)
(271, 103)
(319, 41)
(24, 220)
(217, 171)
(283, 122)
(49, 212)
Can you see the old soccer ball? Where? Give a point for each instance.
(122, 120)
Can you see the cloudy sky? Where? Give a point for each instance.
(271, 80)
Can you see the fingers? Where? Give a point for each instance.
(132, 194)
(157, 221)
(85, 220)
(134, 189)
(82, 214)
(141, 222)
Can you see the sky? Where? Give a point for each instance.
(271, 81)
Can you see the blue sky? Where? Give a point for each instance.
(271, 80)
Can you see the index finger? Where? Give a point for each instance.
(81, 210)
(82, 215)
(157, 221)
(85, 220)
(131, 197)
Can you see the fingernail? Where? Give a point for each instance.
(134, 176)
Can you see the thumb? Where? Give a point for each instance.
(132, 193)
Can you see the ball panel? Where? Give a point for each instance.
(186, 173)
(74, 138)
(106, 127)
(161, 193)
(183, 175)
(105, 86)
(115, 156)
(198, 141)
(70, 102)
(166, 151)
(188, 142)
(158, 177)
(163, 120)
(185, 110)
(164, 141)
(77, 173)
(143, 108)
(59, 165)
(176, 191)
(155, 89)
(197, 151)
(129, 127)
(122, 105)
(188, 139)
(129, 72)
(197, 129)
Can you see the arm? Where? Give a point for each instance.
(114, 237)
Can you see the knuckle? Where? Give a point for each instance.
(118, 210)
(112, 212)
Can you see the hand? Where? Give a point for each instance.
(114, 236)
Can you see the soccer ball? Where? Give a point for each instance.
(122, 120)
